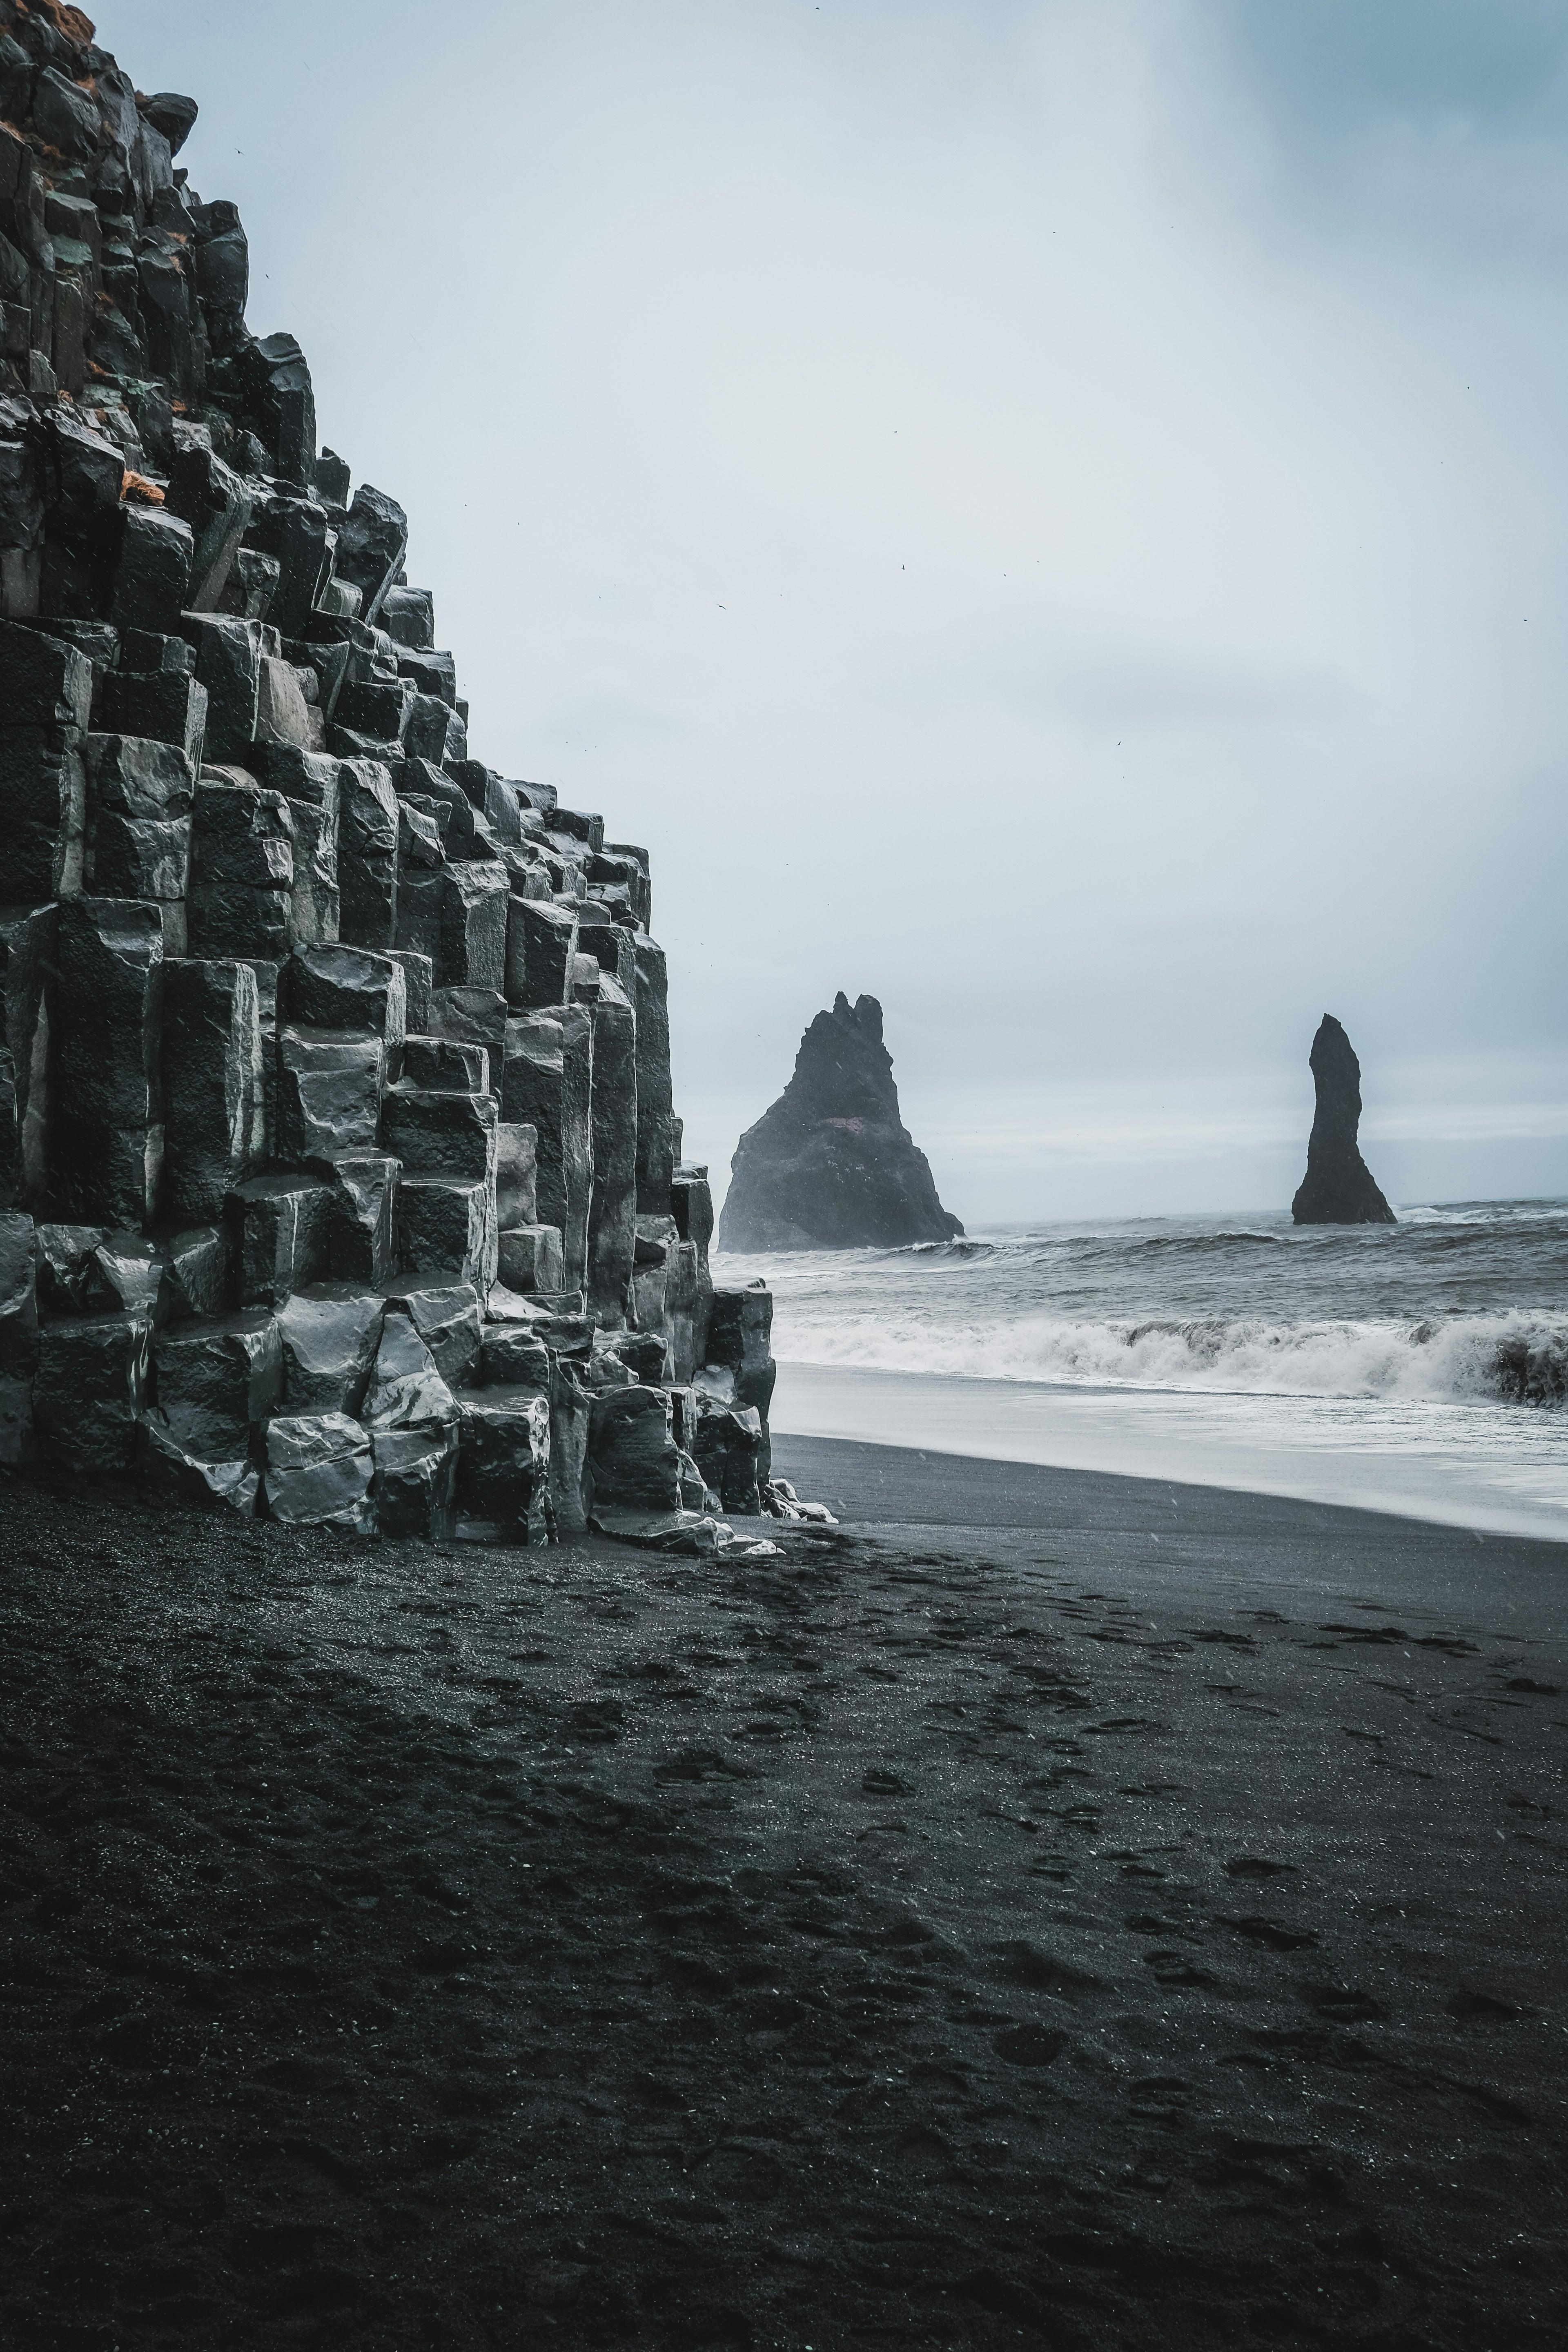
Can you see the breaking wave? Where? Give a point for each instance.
(963, 1253)
(1460, 1303)
(1519, 1357)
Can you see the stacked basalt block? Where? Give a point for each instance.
(339, 1177)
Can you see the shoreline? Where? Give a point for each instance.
(1420, 1462)
(1202, 1543)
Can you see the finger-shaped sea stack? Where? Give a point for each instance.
(1337, 1188)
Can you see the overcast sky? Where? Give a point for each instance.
(1048, 511)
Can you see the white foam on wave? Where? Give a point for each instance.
(1483, 1214)
(1516, 1358)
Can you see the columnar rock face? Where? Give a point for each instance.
(832, 1165)
(1337, 1188)
(339, 1172)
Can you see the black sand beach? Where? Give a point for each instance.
(1135, 1922)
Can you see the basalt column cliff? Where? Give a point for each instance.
(339, 1171)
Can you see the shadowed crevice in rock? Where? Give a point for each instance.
(1337, 1188)
(832, 1165)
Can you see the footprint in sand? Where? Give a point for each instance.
(1030, 2045)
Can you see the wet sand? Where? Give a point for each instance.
(1469, 1466)
(1208, 1540)
(1138, 1922)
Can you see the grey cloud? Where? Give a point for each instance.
(1329, 67)
(1435, 127)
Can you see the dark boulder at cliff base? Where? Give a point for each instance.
(1337, 1188)
(832, 1165)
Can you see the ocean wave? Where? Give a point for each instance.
(1197, 1244)
(961, 1252)
(1484, 1213)
(1516, 1359)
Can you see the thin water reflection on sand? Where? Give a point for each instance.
(1504, 1469)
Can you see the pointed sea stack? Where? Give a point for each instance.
(832, 1165)
(1337, 1188)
